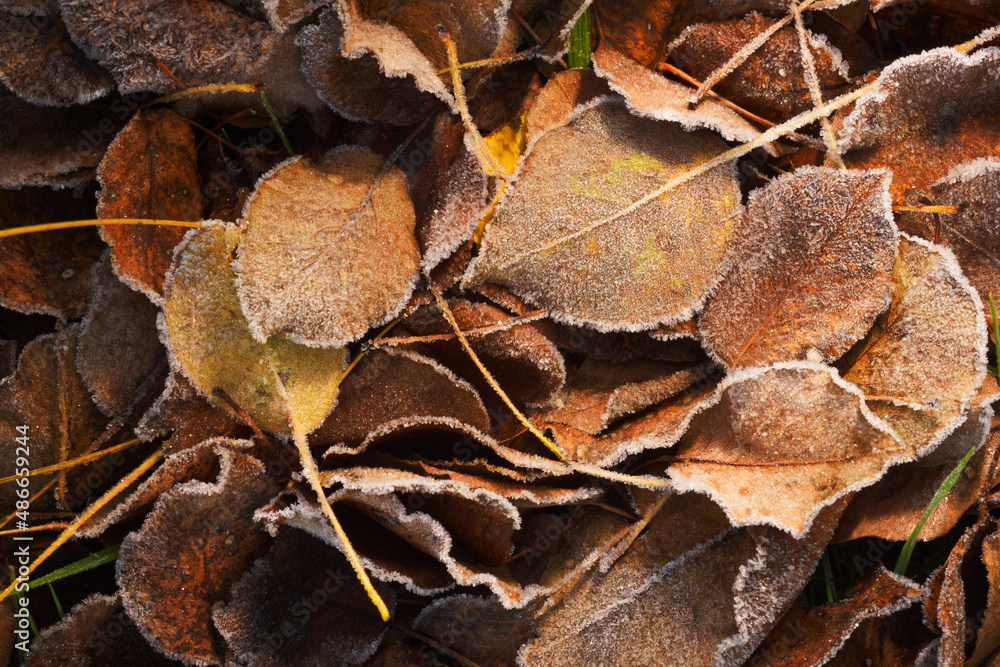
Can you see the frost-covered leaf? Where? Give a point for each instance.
(195, 544)
(973, 233)
(328, 250)
(927, 113)
(811, 270)
(925, 357)
(565, 240)
(398, 386)
(186, 416)
(794, 431)
(200, 42)
(637, 30)
(46, 273)
(479, 629)
(283, 386)
(40, 63)
(301, 604)
(119, 355)
(149, 171)
(987, 639)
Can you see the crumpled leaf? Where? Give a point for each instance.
(119, 355)
(973, 233)
(811, 270)
(925, 357)
(301, 604)
(815, 636)
(398, 386)
(195, 544)
(564, 240)
(149, 171)
(794, 431)
(928, 112)
(96, 632)
(476, 628)
(186, 415)
(40, 63)
(200, 42)
(328, 251)
(987, 639)
(46, 273)
(283, 386)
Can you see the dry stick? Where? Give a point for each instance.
(809, 71)
(87, 513)
(78, 461)
(72, 224)
(62, 525)
(478, 331)
(933, 208)
(214, 88)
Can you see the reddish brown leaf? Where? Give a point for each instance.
(478, 629)
(149, 171)
(811, 270)
(637, 30)
(986, 623)
(198, 540)
(188, 417)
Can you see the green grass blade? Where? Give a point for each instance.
(578, 56)
(904, 557)
(87, 563)
(277, 126)
(55, 599)
(996, 336)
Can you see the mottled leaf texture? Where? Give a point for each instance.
(283, 386)
(973, 233)
(395, 386)
(195, 544)
(812, 638)
(149, 171)
(795, 432)
(302, 605)
(119, 355)
(46, 273)
(40, 63)
(96, 633)
(328, 251)
(200, 41)
(928, 112)
(478, 629)
(638, 30)
(925, 358)
(811, 269)
(563, 238)
(688, 599)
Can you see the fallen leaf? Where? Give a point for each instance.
(328, 250)
(476, 628)
(186, 416)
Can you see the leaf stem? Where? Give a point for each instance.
(53, 226)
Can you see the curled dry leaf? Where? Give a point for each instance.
(927, 113)
(328, 249)
(195, 544)
(200, 42)
(149, 171)
(479, 629)
(40, 63)
(637, 30)
(987, 639)
(811, 269)
(396, 386)
(301, 604)
(794, 431)
(567, 238)
(185, 415)
(119, 355)
(283, 386)
(973, 233)
(925, 358)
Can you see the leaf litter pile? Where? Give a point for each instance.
(528, 332)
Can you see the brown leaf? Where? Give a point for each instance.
(637, 30)
(563, 238)
(397, 386)
(478, 629)
(119, 355)
(328, 251)
(925, 357)
(49, 272)
(558, 98)
(973, 234)
(813, 637)
(987, 634)
(149, 171)
(199, 41)
(795, 432)
(811, 270)
(198, 540)
(301, 604)
(40, 63)
(927, 113)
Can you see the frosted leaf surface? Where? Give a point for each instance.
(563, 239)
(477, 628)
(328, 250)
(283, 386)
(794, 432)
(925, 357)
(811, 269)
(558, 98)
(973, 233)
(928, 112)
